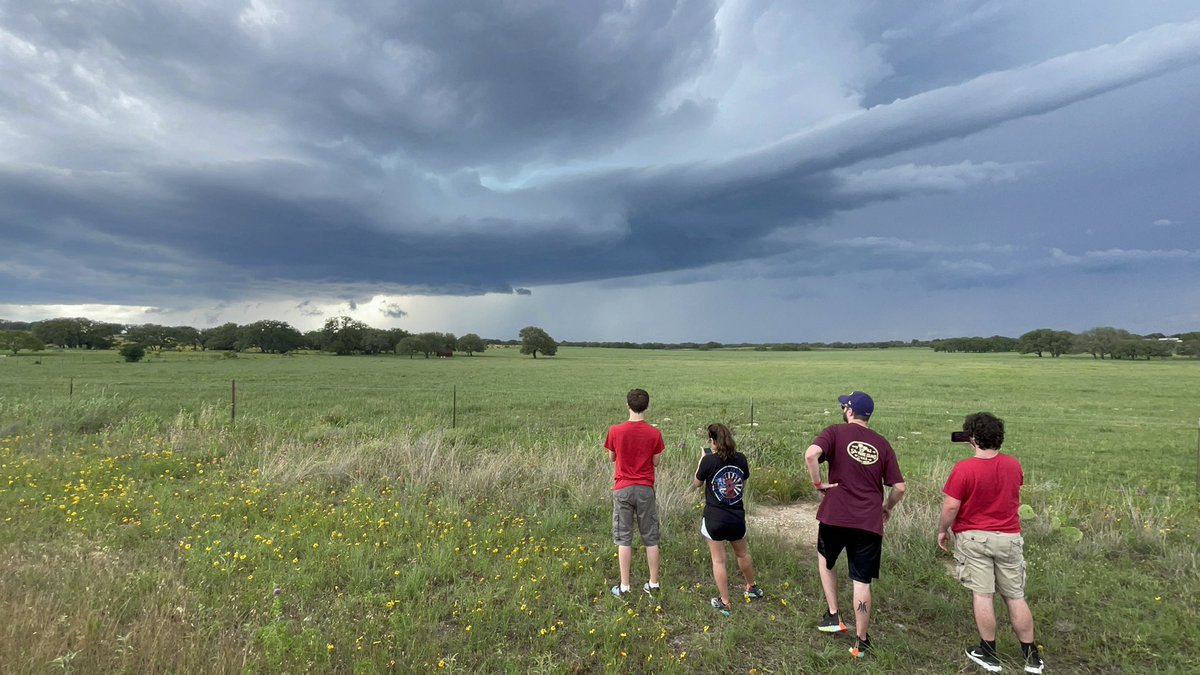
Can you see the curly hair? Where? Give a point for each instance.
(986, 429)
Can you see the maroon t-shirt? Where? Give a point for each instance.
(636, 444)
(861, 462)
(990, 492)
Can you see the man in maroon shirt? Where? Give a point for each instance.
(635, 447)
(853, 509)
(983, 494)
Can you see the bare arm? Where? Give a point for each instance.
(812, 458)
(612, 456)
(696, 482)
(894, 496)
(950, 507)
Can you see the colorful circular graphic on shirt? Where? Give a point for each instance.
(728, 485)
(863, 453)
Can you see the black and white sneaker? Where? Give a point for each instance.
(753, 592)
(1033, 662)
(985, 657)
(724, 609)
(618, 593)
(830, 623)
(651, 589)
(861, 647)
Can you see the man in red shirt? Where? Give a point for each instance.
(635, 447)
(853, 509)
(983, 494)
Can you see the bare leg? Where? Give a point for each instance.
(862, 609)
(985, 616)
(652, 563)
(624, 557)
(1021, 617)
(829, 584)
(716, 550)
(742, 551)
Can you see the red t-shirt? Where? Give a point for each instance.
(861, 462)
(990, 492)
(636, 444)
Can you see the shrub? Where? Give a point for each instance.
(133, 353)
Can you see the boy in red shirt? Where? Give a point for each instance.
(635, 447)
(983, 494)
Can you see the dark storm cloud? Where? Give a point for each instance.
(446, 84)
(306, 308)
(861, 262)
(203, 149)
(393, 311)
(983, 35)
(522, 291)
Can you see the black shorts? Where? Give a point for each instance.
(863, 550)
(720, 530)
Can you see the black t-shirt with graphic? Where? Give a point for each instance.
(724, 485)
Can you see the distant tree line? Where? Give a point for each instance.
(1101, 342)
(339, 335)
(978, 345)
(645, 345)
(757, 346)
(345, 335)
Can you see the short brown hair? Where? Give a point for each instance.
(638, 400)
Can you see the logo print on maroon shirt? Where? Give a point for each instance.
(863, 453)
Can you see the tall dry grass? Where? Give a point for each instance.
(98, 610)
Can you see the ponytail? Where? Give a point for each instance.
(723, 440)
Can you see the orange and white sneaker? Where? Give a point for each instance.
(831, 623)
(861, 647)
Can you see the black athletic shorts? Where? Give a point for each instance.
(722, 530)
(863, 550)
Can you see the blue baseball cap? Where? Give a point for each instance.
(859, 402)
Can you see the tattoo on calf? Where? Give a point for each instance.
(862, 608)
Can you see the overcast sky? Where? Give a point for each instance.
(608, 170)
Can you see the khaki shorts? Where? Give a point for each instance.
(635, 501)
(991, 561)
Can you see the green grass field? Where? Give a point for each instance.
(454, 514)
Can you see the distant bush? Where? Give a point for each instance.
(132, 353)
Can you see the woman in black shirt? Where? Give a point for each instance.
(723, 472)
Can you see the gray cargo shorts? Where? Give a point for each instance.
(635, 501)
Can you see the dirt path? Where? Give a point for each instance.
(795, 523)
